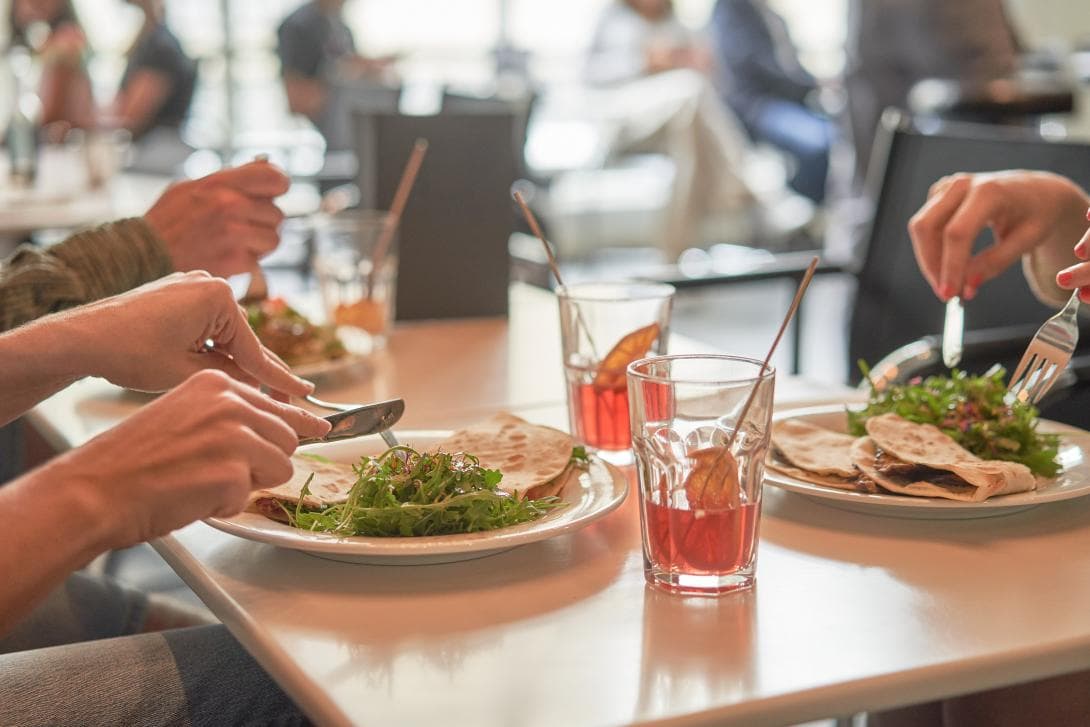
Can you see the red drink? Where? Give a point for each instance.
(600, 416)
(700, 542)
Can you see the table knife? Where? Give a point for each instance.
(361, 421)
(953, 331)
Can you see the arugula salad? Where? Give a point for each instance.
(403, 492)
(973, 410)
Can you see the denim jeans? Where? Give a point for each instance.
(79, 659)
(805, 135)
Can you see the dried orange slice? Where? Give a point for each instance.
(634, 346)
(713, 481)
(370, 315)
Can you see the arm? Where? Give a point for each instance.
(149, 339)
(306, 96)
(221, 223)
(87, 266)
(196, 452)
(141, 98)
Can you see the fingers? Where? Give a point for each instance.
(269, 466)
(975, 213)
(256, 179)
(234, 337)
(1076, 276)
(927, 227)
(993, 260)
(300, 422)
(1082, 247)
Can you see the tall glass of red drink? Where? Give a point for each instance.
(700, 452)
(605, 327)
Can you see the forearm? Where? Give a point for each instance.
(41, 358)
(88, 266)
(53, 526)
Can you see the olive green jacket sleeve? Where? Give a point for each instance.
(90, 265)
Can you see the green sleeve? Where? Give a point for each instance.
(90, 265)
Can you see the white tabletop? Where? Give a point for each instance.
(851, 611)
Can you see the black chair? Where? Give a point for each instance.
(454, 234)
(896, 317)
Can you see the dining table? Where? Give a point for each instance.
(852, 611)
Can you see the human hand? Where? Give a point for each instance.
(154, 337)
(222, 223)
(196, 452)
(1078, 275)
(1024, 210)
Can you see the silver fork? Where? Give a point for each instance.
(1049, 351)
(386, 434)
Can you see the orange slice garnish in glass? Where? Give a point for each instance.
(713, 481)
(632, 347)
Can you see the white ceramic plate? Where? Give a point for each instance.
(1073, 481)
(590, 496)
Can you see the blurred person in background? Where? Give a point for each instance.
(775, 97)
(894, 44)
(318, 57)
(156, 89)
(652, 74)
(51, 30)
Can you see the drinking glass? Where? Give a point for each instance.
(700, 431)
(603, 328)
(357, 279)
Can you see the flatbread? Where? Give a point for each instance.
(834, 481)
(814, 449)
(330, 486)
(923, 444)
(531, 457)
(979, 479)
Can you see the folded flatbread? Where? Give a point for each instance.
(919, 460)
(811, 453)
(535, 460)
(330, 485)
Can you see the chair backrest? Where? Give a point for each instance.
(454, 234)
(894, 305)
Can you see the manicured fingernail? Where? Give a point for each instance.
(946, 291)
(1064, 278)
(1080, 250)
(969, 293)
(1084, 295)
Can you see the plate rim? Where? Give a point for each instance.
(243, 524)
(1021, 500)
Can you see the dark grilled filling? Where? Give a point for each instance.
(892, 467)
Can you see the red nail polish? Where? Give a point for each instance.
(946, 291)
(1080, 250)
(969, 293)
(1064, 278)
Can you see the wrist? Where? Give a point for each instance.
(79, 512)
(54, 351)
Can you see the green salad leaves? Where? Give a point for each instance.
(403, 492)
(974, 411)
